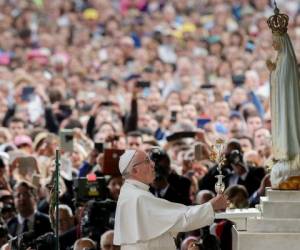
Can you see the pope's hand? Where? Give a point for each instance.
(219, 202)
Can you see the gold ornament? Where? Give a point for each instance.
(217, 155)
(278, 22)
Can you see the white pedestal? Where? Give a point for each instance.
(282, 195)
(239, 216)
(242, 240)
(275, 227)
(280, 209)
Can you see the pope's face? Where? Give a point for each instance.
(144, 168)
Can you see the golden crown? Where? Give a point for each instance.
(278, 22)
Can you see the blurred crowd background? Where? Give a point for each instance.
(170, 74)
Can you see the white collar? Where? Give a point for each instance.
(138, 184)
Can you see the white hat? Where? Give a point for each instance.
(125, 160)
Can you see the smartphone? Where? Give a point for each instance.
(36, 180)
(27, 165)
(14, 155)
(111, 161)
(65, 109)
(181, 135)
(107, 103)
(173, 116)
(238, 80)
(209, 90)
(86, 107)
(66, 167)
(202, 121)
(27, 93)
(207, 86)
(250, 46)
(143, 84)
(66, 140)
(47, 74)
(27, 161)
(99, 146)
(149, 69)
(198, 152)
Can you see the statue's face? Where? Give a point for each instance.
(276, 43)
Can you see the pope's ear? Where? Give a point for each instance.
(134, 171)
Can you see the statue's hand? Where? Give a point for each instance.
(270, 65)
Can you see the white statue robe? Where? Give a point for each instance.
(145, 222)
(285, 113)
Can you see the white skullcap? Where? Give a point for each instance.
(125, 160)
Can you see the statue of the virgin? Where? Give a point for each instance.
(285, 107)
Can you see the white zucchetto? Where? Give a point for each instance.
(125, 160)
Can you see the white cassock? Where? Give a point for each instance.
(145, 222)
(285, 113)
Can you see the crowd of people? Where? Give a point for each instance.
(132, 74)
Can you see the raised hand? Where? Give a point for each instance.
(219, 202)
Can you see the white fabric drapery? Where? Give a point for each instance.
(285, 112)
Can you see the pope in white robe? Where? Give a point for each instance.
(144, 221)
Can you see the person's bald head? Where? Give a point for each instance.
(66, 219)
(106, 241)
(6, 247)
(84, 243)
(136, 164)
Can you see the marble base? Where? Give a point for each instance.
(242, 240)
(239, 216)
(282, 195)
(276, 228)
(280, 209)
(273, 225)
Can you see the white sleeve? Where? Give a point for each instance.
(195, 217)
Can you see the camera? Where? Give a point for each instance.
(236, 158)
(86, 189)
(162, 163)
(7, 208)
(98, 217)
(29, 240)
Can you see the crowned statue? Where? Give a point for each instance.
(285, 107)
